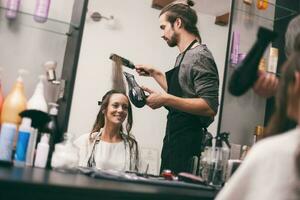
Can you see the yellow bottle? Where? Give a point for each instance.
(1, 93)
(1, 97)
(14, 103)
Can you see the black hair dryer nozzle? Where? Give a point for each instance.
(136, 93)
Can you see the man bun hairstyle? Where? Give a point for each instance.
(183, 10)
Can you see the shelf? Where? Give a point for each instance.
(267, 14)
(27, 20)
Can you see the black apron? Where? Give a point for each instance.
(183, 132)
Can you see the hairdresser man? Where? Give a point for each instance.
(191, 87)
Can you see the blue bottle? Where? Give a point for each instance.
(23, 139)
(8, 132)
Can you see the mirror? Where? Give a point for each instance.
(134, 33)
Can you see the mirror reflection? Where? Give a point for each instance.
(145, 37)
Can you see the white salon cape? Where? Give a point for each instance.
(108, 156)
(268, 172)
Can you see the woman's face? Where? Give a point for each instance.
(117, 109)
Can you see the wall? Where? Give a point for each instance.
(136, 36)
(29, 44)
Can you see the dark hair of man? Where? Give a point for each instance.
(182, 10)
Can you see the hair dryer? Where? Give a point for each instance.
(245, 75)
(136, 93)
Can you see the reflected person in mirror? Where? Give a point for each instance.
(190, 88)
(108, 146)
(271, 170)
(267, 83)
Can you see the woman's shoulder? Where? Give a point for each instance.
(83, 139)
(282, 146)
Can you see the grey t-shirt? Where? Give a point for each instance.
(198, 77)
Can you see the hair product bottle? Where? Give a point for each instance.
(23, 139)
(1, 94)
(8, 132)
(12, 7)
(41, 10)
(15, 102)
(273, 60)
(38, 101)
(262, 4)
(50, 67)
(42, 152)
(235, 47)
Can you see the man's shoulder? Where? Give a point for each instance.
(201, 51)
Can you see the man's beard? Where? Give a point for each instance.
(173, 40)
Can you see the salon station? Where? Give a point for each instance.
(150, 99)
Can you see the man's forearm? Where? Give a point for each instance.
(160, 79)
(196, 106)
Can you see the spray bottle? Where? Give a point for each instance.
(52, 128)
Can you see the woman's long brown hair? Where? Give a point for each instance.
(100, 121)
(279, 121)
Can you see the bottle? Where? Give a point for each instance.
(31, 147)
(262, 4)
(38, 101)
(262, 66)
(23, 139)
(8, 132)
(41, 10)
(52, 128)
(50, 70)
(42, 152)
(205, 161)
(258, 133)
(217, 164)
(15, 102)
(1, 94)
(273, 60)
(12, 7)
(235, 47)
(245, 150)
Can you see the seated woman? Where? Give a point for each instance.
(271, 170)
(108, 146)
